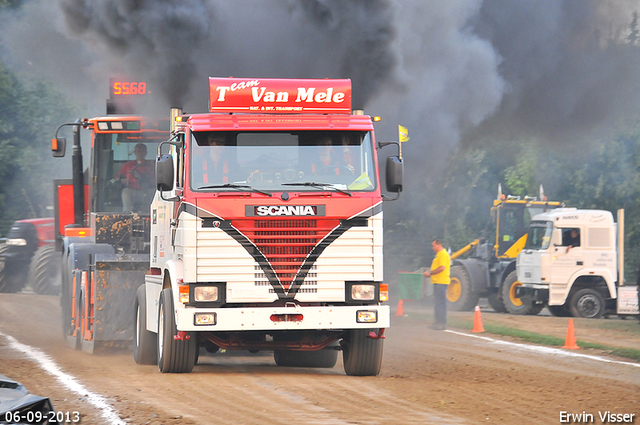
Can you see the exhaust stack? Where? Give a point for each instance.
(175, 113)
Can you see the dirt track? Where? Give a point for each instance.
(428, 377)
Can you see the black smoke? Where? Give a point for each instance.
(440, 68)
(451, 71)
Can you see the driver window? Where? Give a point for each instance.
(571, 237)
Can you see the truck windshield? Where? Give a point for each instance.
(539, 235)
(124, 171)
(282, 161)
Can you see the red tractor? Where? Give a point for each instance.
(28, 259)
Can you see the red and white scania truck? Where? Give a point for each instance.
(266, 230)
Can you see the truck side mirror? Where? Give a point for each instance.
(395, 174)
(556, 237)
(58, 147)
(164, 172)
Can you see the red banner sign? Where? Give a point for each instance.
(279, 96)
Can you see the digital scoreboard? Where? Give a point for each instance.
(123, 94)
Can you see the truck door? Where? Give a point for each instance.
(568, 257)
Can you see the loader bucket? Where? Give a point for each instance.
(116, 280)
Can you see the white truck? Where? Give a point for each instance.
(266, 231)
(573, 262)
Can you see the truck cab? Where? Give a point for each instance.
(489, 269)
(570, 262)
(266, 231)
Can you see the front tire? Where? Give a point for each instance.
(587, 303)
(496, 302)
(459, 292)
(44, 271)
(514, 305)
(145, 349)
(361, 355)
(174, 356)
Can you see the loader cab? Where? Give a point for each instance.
(119, 181)
(511, 219)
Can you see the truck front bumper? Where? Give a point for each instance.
(284, 318)
(535, 292)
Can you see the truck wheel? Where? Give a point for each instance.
(515, 305)
(320, 358)
(559, 310)
(459, 293)
(174, 356)
(587, 303)
(144, 342)
(44, 271)
(361, 355)
(496, 303)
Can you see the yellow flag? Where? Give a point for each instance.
(403, 134)
(361, 183)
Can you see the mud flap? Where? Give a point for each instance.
(116, 280)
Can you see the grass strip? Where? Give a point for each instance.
(535, 338)
(532, 337)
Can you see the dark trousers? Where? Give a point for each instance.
(440, 302)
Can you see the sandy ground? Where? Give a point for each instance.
(428, 377)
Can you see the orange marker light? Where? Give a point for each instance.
(184, 294)
(384, 292)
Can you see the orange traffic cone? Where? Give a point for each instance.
(400, 309)
(477, 321)
(570, 341)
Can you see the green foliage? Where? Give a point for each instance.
(606, 177)
(28, 119)
(14, 4)
(521, 179)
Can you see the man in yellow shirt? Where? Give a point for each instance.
(440, 278)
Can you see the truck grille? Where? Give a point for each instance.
(286, 243)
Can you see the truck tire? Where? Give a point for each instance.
(459, 293)
(174, 356)
(559, 310)
(361, 355)
(587, 303)
(44, 271)
(145, 343)
(321, 358)
(496, 302)
(520, 306)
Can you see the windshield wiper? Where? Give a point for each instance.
(235, 186)
(319, 186)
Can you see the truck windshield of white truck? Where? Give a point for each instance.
(282, 161)
(539, 235)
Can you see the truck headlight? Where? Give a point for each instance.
(366, 316)
(363, 292)
(205, 293)
(202, 319)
